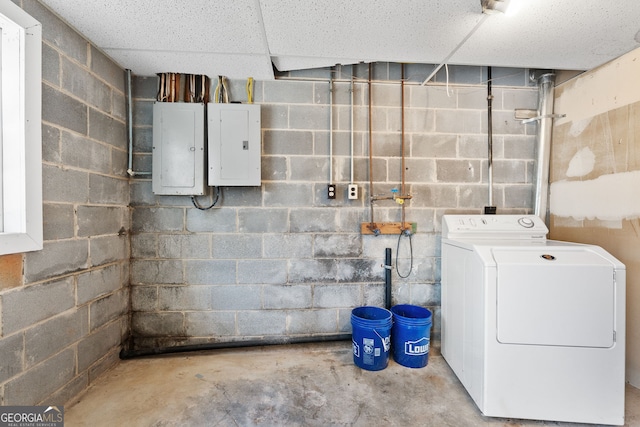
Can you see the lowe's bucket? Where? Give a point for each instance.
(371, 330)
(410, 335)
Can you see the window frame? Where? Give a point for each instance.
(21, 228)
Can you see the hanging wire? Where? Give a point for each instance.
(175, 87)
(216, 93)
(250, 90)
(221, 94)
(196, 89)
(408, 234)
(446, 68)
(204, 208)
(160, 95)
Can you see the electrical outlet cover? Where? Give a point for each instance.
(353, 192)
(331, 191)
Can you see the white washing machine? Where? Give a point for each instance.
(533, 328)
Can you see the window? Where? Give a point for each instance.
(21, 134)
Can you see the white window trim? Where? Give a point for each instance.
(21, 131)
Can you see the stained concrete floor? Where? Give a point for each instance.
(292, 385)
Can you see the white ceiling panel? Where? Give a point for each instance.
(555, 35)
(170, 25)
(399, 31)
(241, 38)
(222, 36)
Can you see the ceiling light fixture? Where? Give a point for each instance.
(508, 7)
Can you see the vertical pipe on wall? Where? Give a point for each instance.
(403, 193)
(129, 122)
(352, 124)
(490, 209)
(371, 193)
(546, 85)
(387, 278)
(129, 105)
(331, 127)
(406, 231)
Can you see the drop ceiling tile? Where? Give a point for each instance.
(556, 35)
(403, 31)
(167, 25)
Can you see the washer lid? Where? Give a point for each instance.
(549, 296)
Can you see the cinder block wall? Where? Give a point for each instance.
(64, 310)
(281, 260)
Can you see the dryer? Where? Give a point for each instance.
(533, 328)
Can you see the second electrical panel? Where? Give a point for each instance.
(234, 144)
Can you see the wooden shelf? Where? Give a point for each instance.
(387, 227)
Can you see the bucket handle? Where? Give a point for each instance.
(386, 343)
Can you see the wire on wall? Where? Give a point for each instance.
(404, 276)
(197, 89)
(221, 93)
(455, 49)
(195, 203)
(169, 87)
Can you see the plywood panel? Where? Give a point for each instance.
(603, 89)
(595, 172)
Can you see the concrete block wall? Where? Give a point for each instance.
(64, 309)
(282, 260)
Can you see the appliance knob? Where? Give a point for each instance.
(526, 222)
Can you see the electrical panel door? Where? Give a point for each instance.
(178, 149)
(234, 144)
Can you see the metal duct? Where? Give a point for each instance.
(546, 85)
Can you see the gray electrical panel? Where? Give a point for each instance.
(178, 149)
(234, 144)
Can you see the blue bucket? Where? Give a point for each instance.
(371, 330)
(411, 334)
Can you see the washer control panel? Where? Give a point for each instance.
(522, 227)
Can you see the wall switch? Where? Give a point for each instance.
(353, 192)
(331, 191)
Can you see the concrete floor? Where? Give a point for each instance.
(293, 385)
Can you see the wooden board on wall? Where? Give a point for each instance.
(595, 168)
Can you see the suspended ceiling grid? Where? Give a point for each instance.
(243, 38)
